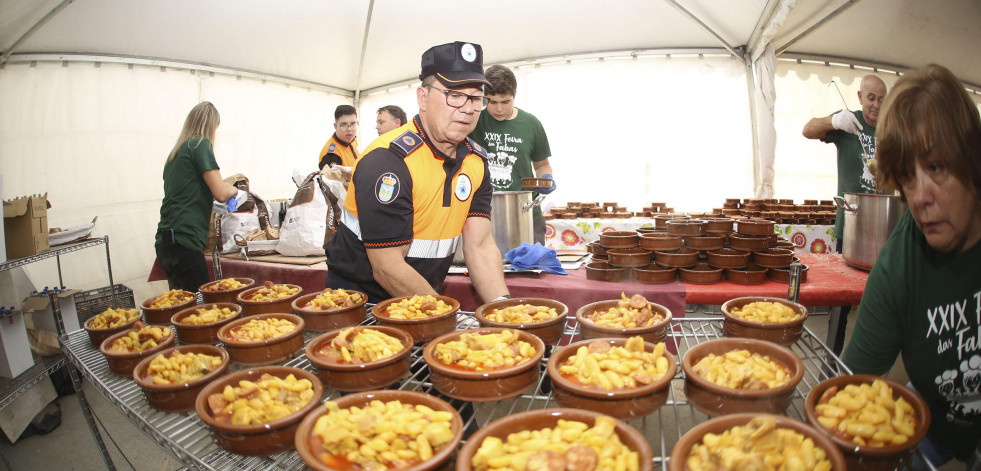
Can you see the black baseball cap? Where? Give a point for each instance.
(455, 64)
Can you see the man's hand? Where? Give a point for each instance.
(546, 191)
(846, 121)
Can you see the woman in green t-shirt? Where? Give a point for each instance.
(191, 179)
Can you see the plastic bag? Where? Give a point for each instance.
(311, 219)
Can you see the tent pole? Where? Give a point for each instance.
(364, 45)
(730, 48)
(54, 11)
(751, 91)
(817, 25)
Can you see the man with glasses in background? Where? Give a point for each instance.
(416, 193)
(342, 148)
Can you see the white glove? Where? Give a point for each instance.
(846, 121)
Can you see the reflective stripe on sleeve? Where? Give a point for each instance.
(433, 248)
(351, 222)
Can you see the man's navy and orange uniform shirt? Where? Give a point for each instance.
(338, 152)
(405, 192)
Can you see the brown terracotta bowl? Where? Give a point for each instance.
(618, 239)
(354, 377)
(211, 292)
(701, 274)
(590, 330)
(782, 275)
(549, 330)
(261, 439)
(660, 241)
(716, 400)
(421, 330)
(549, 418)
(599, 258)
(629, 257)
(483, 386)
(162, 315)
(533, 183)
(596, 248)
(178, 397)
(728, 258)
(718, 425)
(202, 333)
(305, 442)
(687, 227)
(869, 457)
(719, 225)
(684, 257)
(324, 320)
(251, 308)
(97, 336)
(749, 243)
(263, 352)
(755, 227)
(774, 258)
(661, 220)
(123, 363)
(647, 230)
(783, 333)
(750, 275)
(653, 273)
(623, 404)
(705, 242)
(603, 271)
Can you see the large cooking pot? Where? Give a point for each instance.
(869, 219)
(512, 218)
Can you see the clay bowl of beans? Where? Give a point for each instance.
(687, 227)
(727, 258)
(241, 426)
(460, 367)
(331, 309)
(172, 379)
(624, 318)
(782, 275)
(618, 239)
(159, 309)
(125, 349)
(424, 317)
(752, 437)
(844, 408)
(653, 274)
(773, 319)
(755, 227)
(331, 427)
(705, 242)
(750, 275)
(700, 274)
(684, 257)
(200, 324)
(270, 297)
(748, 243)
(629, 257)
(774, 258)
(601, 435)
(660, 241)
(360, 358)
(622, 378)
(603, 271)
(769, 376)
(545, 318)
(108, 323)
(263, 339)
(224, 290)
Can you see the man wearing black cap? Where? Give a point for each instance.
(419, 189)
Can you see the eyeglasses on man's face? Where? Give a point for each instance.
(347, 125)
(457, 99)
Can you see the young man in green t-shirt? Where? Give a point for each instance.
(516, 144)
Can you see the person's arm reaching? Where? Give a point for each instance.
(395, 275)
(219, 189)
(483, 259)
(543, 169)
(844, 120)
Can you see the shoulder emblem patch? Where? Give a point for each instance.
(407, 142)
(387, 187)
(463, 187)
(330, 149)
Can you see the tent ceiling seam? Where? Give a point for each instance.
(732, 49)
(364, 50)
(817, 25)
(764, 21)
(852, 62)
(33, 29)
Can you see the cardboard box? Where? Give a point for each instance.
(15, 349)
(39, 307)
(25, 225)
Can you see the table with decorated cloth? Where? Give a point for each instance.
(575, 234)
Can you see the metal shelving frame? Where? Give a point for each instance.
(190, 439)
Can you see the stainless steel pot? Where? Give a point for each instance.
(869, 220)
(511, 218)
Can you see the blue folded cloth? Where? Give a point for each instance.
(529, 257)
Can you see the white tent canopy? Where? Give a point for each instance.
(94, 91)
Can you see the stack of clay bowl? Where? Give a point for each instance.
(782, 211)
(622, 253)
(739, 259)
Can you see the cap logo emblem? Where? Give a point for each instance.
(468, 52)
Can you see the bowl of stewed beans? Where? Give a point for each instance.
(109, 322)
(360, 358)
(424, 317)
(394, 429)
(776, 320)
(224, 290)
(270, 297)
(263, 339)
(754, 441)
(624, 318)
(124, 350)
(545, 318)
(732, 375)
(159, 309)
(874, 421)
(623, 378)
(256, 411)
(200, 324)
(172, 379)
(567, 439)
(484, 364)
(331, 309)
